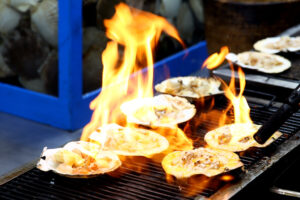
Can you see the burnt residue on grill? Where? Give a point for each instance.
(150, 181)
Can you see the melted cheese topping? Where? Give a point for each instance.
(278, 44)
(161, 110)
(261, 60)
(236, 137)
(129, 141)
(78, 159)
(264, 62)
(194, 87)
(284, 43)
(209, 162)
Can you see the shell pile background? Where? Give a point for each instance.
(28, 44)
(29, 38)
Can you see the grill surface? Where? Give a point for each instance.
(150, 183)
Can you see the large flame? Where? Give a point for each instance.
(136, 32)
(240, 106)
(238, 101)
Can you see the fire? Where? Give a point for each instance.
(137, 32)
(239, 102)
(214, 60)
(178, 141)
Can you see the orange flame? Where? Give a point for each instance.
(238, 101)
(178, 141)
(214, 60)
(137, 32)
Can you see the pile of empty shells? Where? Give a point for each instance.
(28, 44)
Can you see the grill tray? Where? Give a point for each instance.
(151, 182)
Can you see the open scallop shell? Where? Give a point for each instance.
(68, 161)
(263, 62)
(278, 44)
(159, 111)
(9, 18)
(190, 86)
(236, 137)
(44, 19)
(129, 141)
(23, 5)
(210, 162)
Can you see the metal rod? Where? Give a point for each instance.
(285, 192)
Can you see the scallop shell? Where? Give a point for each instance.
(291, 44)
(190, 86)
(242, 60)
(159, 111)
(9, 18)
(44, 20)
(5, 71)
(35, 84)
(170, 8)
(129, 141)
(49, 160)
(93, 38)
(94, 42)
(23, 5)
(24, 52)
(210, 162)
(49, 73)
(236, 137)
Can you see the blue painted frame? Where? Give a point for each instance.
(70, 110)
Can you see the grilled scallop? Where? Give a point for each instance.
(190, 86)
(210, 162)
(236, 137)
(263, 62)
(159, 111)
(79, 160)
(278, 44)
(129, 141)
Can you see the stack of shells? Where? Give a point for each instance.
(29, 39)
(28, 44)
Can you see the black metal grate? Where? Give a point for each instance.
(148, 184)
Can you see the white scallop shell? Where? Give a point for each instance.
(261, 45)
(286, 64)
(9, 18)
(48, 161)
(44, 19)
(23, 5)
(175, 110)
(129, 141)
(190, 87)
(170, 8)
(237, 133)
(5, 71)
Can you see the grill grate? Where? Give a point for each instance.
(148, 184)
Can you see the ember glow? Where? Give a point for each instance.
(137, 32)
